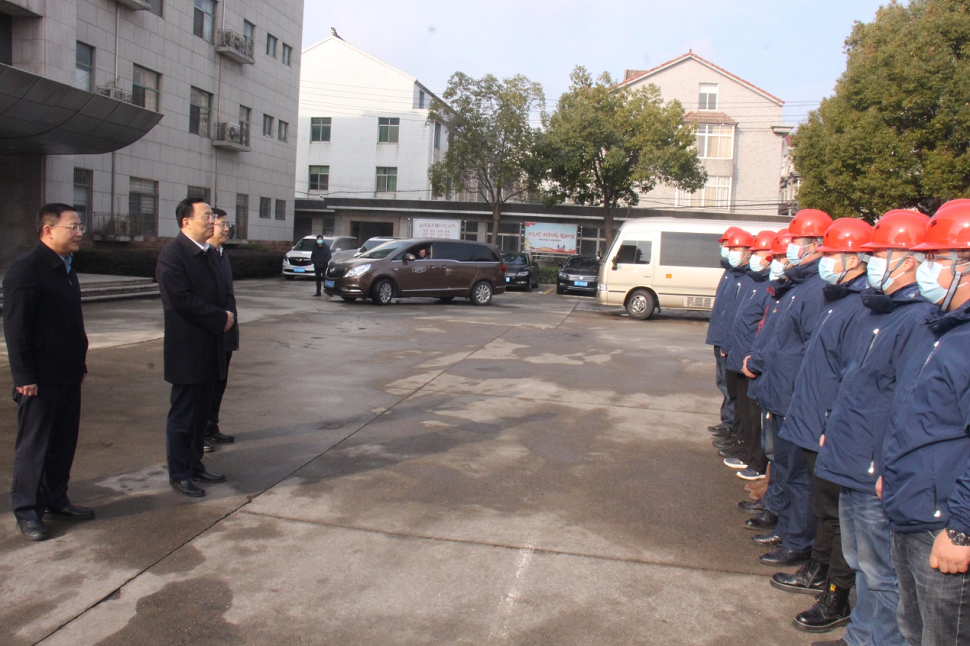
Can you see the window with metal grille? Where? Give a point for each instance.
(201, 192)
(265, 206)
(144, 87)
(319, 178)
(320, 128)
(242, 216)
(83, 194)
(280, 209)
(200, 105)
(387, 129)
(143, 207)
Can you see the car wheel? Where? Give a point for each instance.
(349, 299)
(560, 289)
(481, 293)
(446, 299)
(641, 304)
(382, 292)
(528, 285)
(537, 282)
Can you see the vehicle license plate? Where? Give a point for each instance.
(508, 280)
(579, 283)
(299, 270)
(328, 284)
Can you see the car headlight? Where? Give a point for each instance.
(562, 275)
(357, 271)
(601, 287)
(522, 274)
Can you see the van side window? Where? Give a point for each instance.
(481, 253)
(449, 251)
(634, 252)
(678, 249)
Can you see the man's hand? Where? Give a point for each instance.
(230, 321)
(744, 369)
(28, 391)
(879, 488)
(947, 557)
(821, 441)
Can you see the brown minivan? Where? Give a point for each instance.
(440, 269)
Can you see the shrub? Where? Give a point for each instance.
(246, 263)
(548, 274)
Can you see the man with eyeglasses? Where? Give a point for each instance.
(212, 433)
(197, 308)
(46, 346)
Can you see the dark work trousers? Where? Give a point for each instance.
(796, 505)
(749, 426)
(220, 390)
(727, 404)
(731, 384)
(46, 442)
(185, 430)
(318, 274)
(828, 536)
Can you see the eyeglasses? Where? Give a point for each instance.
(73, 227)
(225, 225)
(207, 218)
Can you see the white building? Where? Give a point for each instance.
(223, 78)
(363, 128)
(740, 136)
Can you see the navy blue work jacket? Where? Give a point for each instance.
(748, 314)
(725, 298)
(766, 327)
(926, 471)
(778, 361)
(859, 417)
(827, 354)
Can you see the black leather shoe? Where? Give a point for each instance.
(752, 506)
(724, 433)
(762, 522)
(784, 556)
(207, 446)
(187, 487)
(733, 451)
(33, 530)
(834, 642)
(219, 437)
(830, 611)
(208, 476)
(809, 579)
(718, 427)
(72, 512)
(770, 539)
(725, 442)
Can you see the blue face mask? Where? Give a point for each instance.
(724, 253)
(320, 241)
(927, 279)
(756, 264)
(734, 258)
(794, 253)
(877, 274)
(826, 269)
(777, 270)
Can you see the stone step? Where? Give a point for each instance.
(100, 288)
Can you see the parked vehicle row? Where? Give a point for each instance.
(296, 262)
(521, 270)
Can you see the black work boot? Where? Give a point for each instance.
(831, 610)
(809, 579)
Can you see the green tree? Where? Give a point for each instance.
(896, 133)
(490, 139)
(603, 146)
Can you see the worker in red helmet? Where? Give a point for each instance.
(925, 470)
(857, 422)
(843, 268)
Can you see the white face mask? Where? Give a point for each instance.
(877, 275)
(724, 252)
(927, 278)
(826, 269)
(756, 264)
(794, 253)
(734, 258)
(777, 270)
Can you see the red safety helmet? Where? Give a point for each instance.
(780, 244)
(846, 235)
(727, 234)
(809, 223)
(738, 238)
(949, 228)
(898, 229)
(762, 241)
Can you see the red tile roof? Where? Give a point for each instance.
(709, 116)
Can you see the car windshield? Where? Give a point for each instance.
(582, 263)
(515, 258)
(306, 244)
(383, 251)
(372, 244)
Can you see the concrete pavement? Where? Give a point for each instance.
(533, 472)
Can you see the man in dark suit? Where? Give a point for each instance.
(212, 433)
(197, 316)
(320, 257)
(47, 346)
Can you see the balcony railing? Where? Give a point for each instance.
(234, 136)
(115, 93)
(137, 5)
(124, 226)
(234, 45)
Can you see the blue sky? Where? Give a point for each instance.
(791, 49)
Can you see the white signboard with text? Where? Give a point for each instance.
(436, 229)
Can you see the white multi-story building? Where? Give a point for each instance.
(740, 136)
(363, 129)
(219, 78)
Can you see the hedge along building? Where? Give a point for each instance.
(123, 108)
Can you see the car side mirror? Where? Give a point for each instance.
(408, 257)
(614, 263)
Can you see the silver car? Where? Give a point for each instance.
(297, 263)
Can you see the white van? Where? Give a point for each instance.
(667, 263)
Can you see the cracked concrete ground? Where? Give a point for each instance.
(533, 472)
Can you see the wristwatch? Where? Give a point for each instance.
(958, 538)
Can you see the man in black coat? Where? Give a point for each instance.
(196, 304)
(212, 433)
(320, 257)
(47, 346)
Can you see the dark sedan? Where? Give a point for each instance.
(578, 274)
(521, 270)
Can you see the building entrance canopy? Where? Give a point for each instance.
(41, 116)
